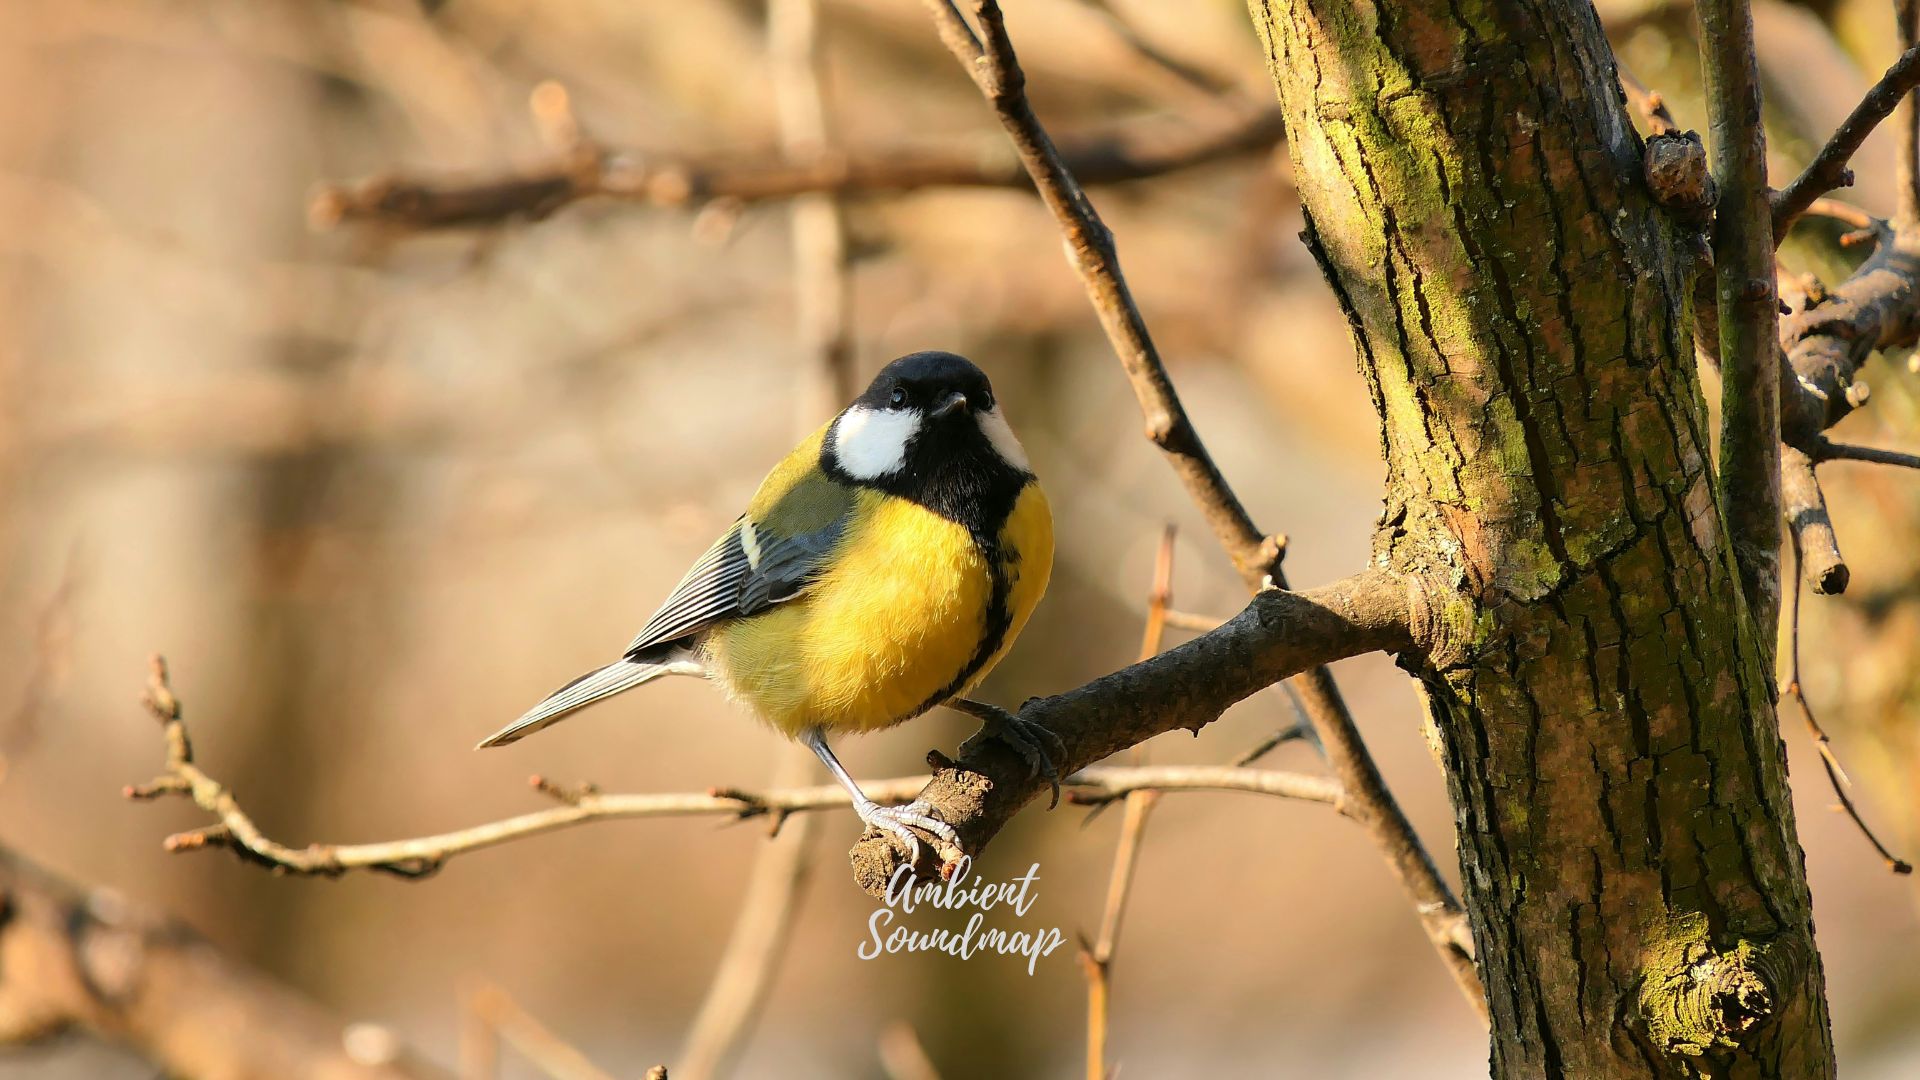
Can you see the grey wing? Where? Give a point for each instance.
(747, 570)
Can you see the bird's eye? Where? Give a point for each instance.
(984, 401)
(899, 397)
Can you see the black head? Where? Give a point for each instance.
(929, 429)
(929, 381)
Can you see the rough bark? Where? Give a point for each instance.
(1606, 715)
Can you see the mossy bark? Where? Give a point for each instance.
(1604, 709)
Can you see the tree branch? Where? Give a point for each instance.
(1749, 307)
(421, 856)
(1804, 505)
(1828, 169)
(1135, 150)
(1091, 251)
(1096, 957)
(72, 958)
(990, 60)
(1906, 17)
(1277, 635)
(1878, 307)
(1829, 761)
(1826, 342)
(496, 1015)
(1825, 450)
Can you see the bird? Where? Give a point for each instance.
(883, 568)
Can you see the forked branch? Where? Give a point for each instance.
(1828, 169)
(989, 59)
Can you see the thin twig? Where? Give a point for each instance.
(1907, 125)
(1097, 784)
(1836, 776)
(1091, 251)
(1865, 226)
(553, 1056)
(1845, 213)
(1136, 150)
(1096, 958)
(1160, 597)
(990, 61)
(1649, 102)
(1301, 728)
(1192, 620)
(235, 829)
(52, 657)
(1210, 86)
(755, 947)
(1828, 169)
(1827, 450)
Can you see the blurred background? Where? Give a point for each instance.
(373, 490)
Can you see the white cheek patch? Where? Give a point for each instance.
(1000, 434)
(872, 443)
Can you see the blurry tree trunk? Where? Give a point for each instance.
(1603, 705)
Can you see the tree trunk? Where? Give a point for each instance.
(1604, 709)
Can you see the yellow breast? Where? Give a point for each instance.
(905, 619)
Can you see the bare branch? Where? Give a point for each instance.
(1749, 306)
(1277, 635)
(1135, 150)
(1192, 76)
(1836, 776)
(1190, 620)
(1091, 251)
(1826, 450)
(1264, 635)
(1098, 784)
(769, 904)
(1865, 226)
(995, 70)
(1650, 104)
(1096, 958)
(1878, 307)
(1828, 169)
(504, 1018)
(1816, 549)
(1907, 126)
(1301, 728)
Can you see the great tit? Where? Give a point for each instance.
(883, 568)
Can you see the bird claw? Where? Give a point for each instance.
(1035, 741)
(900, 821)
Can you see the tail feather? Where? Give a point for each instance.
(589, 688)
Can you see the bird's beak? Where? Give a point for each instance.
(954, 401)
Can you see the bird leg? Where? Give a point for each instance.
(1035, 741)
(895, 821)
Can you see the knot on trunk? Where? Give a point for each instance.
(1696, 997)
(1439, 619)
(1676, 171)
